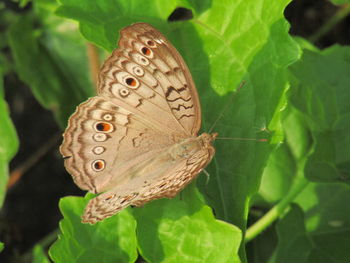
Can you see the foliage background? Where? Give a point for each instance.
(294, 188)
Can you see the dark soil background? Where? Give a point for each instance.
(30, 212)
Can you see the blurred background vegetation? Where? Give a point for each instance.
(37, 177)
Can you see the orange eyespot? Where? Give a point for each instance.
(151, 43)
(103, 126)
(146, 51)
(98, 165)
(131, 82)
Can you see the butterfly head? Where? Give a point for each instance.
(207, 138)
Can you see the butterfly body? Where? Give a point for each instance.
(137, 141)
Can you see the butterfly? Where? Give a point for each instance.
(137, 141)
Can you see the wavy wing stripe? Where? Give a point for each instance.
(173, 77)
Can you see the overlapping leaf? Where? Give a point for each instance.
(50, 66)
(322, 97)
(224, 44)
(112, 240)
(185, 230)
(317, 105)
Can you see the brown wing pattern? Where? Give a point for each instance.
(103, 140)
(165, 179)
(136, 141)
(148, 75)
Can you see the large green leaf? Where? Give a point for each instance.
(294, 244)
(286, 163)
(318, 104)
(225, 43)
(228, 43)
(112, 240)
(55, 70)
(185, 230)
(324, 235)
(323, 99)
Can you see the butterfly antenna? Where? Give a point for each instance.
(242, 139)
(226, 106)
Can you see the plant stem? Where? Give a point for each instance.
(94, 63)
(338, 17)
(18, 172)
(259, 226)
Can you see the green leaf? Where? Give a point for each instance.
(340, 2)
(331, 247)
(327, 220)
(278, 175)
(8, 138)
(326, 208)
(286, 165)
(323, 99)
(224, 44)
(294, 244)
(237, 168)
(112, 240)
(2, 246)
(52, 68)
(100, 21)
(283, 179)
(39, 255)
(184, 230)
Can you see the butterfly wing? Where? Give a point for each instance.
(147, 74)
(158, 177)
(103, 141)
(146, 104)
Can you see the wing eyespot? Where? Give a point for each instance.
(123, 92)
(138, 71)
(150, 43)
(131, 82)
(98, 165)
(107, 117)
(146, 51)
(98, 150)
(100, 137)
(103, 127)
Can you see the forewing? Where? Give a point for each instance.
(148, 76)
